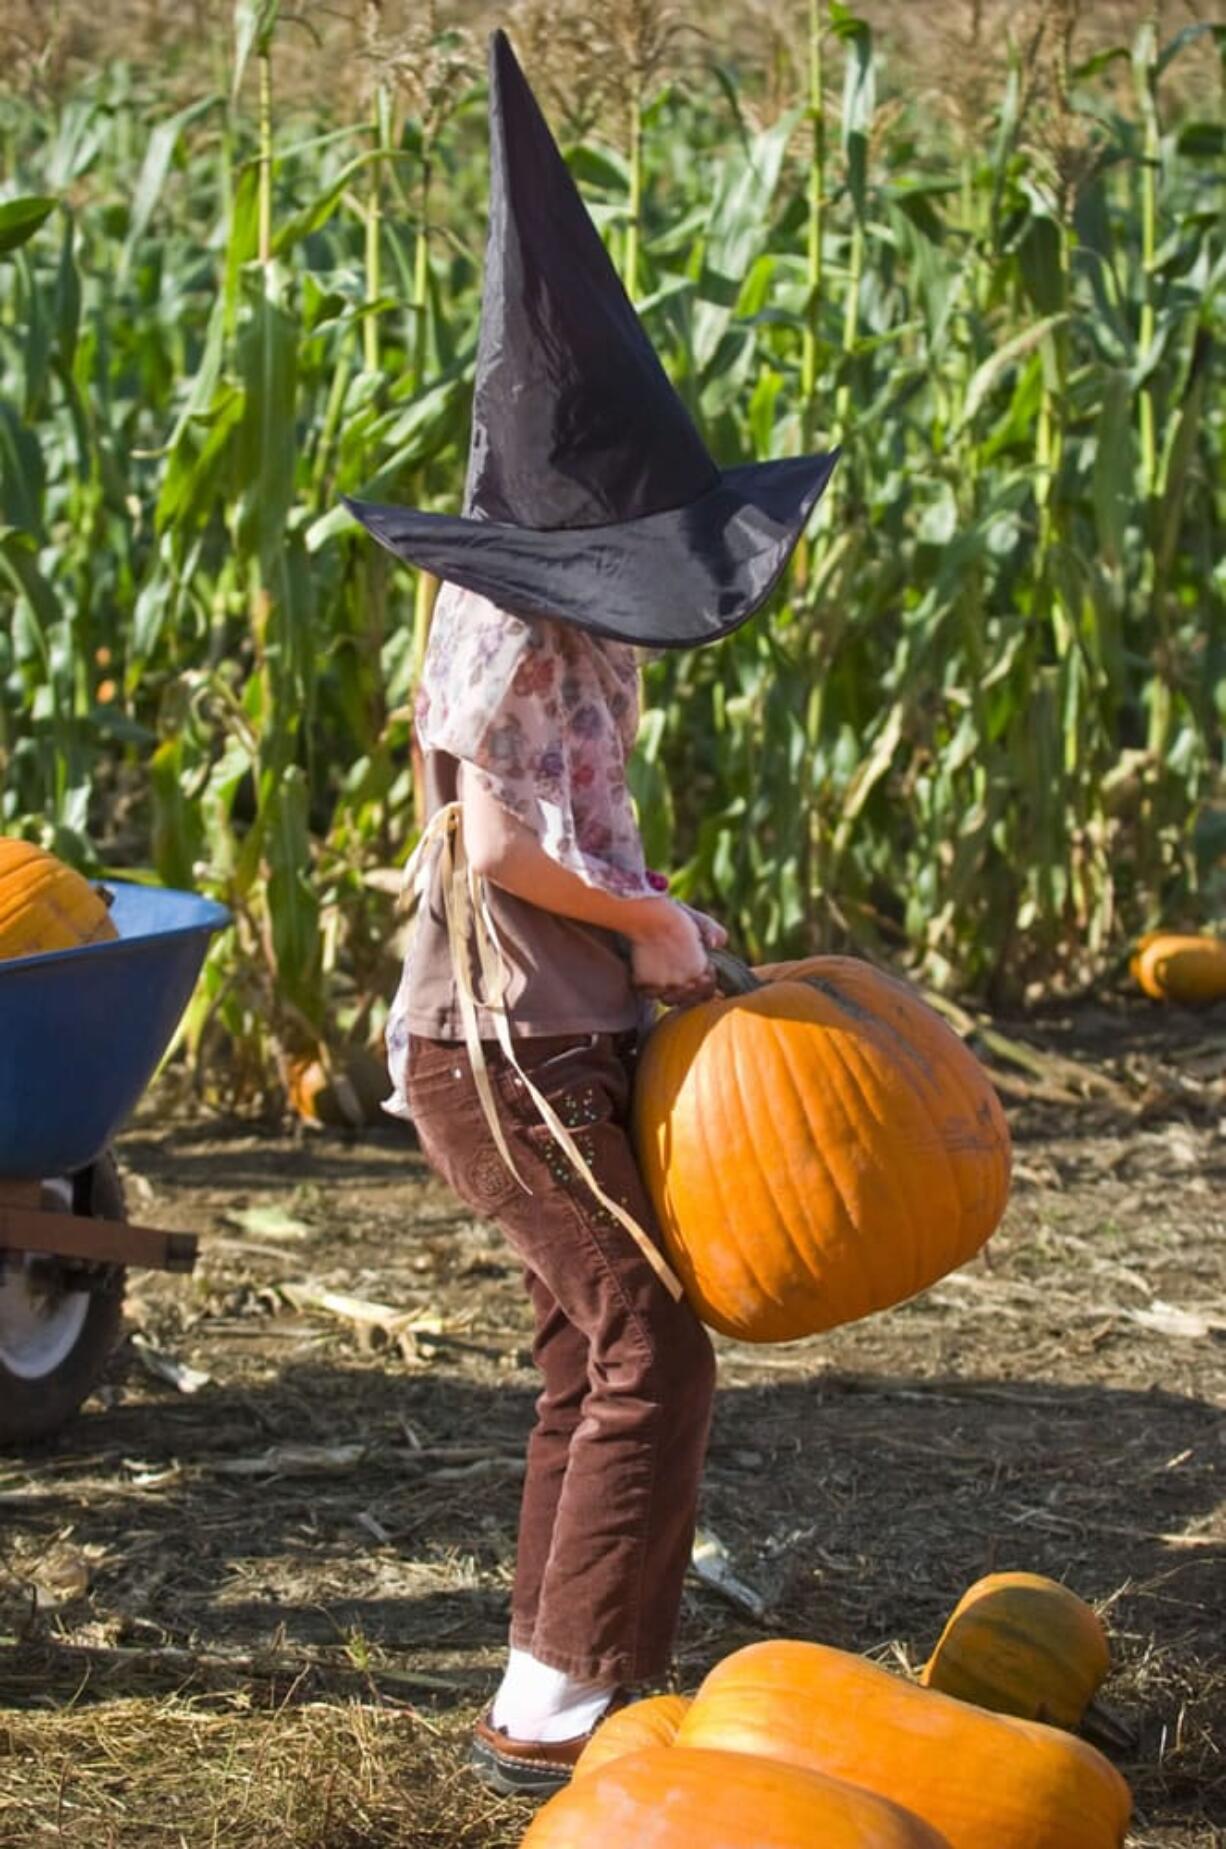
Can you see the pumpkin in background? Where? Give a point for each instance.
(666, 1799)
(1174, 968)
(1022, 1644)
(45, 905)
(653, 1722)
(344, 1090)
(984, 1781)
(818, 1146)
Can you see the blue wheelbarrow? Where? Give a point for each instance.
(81, 1034)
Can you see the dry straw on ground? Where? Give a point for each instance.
(213, 1774)
(262, 1615)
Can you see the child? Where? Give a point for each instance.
(595, 523)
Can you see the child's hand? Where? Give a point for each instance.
(711, 931)
(669, 956)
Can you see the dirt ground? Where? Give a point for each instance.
(263, 1614)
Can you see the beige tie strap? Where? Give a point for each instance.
(469, 920)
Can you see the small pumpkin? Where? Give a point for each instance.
(653, 1722)
(818, 1144)
(45, 905)
(662, 1798)
(984, 1781)
(1022, 1644)
(1174, 967)
(344, 1090)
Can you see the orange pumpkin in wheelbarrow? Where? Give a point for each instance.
(818, 1144)
(45, 905)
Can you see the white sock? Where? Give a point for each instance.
(536, 1702)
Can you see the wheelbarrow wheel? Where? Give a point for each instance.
(60, 1320)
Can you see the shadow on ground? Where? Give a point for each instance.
(862, 1505)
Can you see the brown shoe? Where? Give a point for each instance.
(529, 1768)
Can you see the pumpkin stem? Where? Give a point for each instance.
(733, 976)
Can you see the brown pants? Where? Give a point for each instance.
(616, 1456)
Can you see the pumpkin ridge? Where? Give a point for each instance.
(903, 1208)
(716, 1093)
(780, 1043)
(777, 1298)
(902, 1037)
(957, 1071)
(851, 1245)
(867, 1254)
(682, 1067)
(884, 1033)
(953, 1169)
(715, 1105)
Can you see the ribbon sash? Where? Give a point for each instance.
(469, 920)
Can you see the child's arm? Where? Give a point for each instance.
(668, 954)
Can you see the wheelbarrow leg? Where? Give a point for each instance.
(60, 1319)
(26, 1227)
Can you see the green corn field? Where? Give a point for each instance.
(981, 730)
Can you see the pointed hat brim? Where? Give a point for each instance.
(674, 579)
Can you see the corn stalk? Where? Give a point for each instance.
(980, 731)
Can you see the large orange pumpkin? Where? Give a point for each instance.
(45, 905)
(1022, 1644)
(983, 1780)
(1172, 967)
(818, 1146)
(666, 1799)
(653, 1722)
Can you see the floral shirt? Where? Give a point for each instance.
(547, 716)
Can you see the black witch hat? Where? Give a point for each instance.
(591, 496)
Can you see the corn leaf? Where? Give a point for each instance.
(21, 218)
